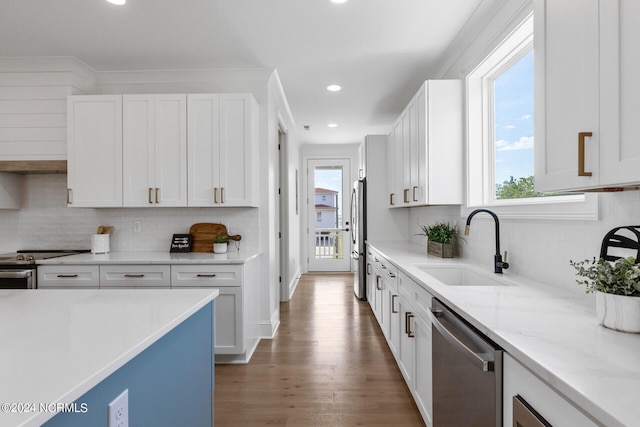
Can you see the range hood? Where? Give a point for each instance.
(33, 166)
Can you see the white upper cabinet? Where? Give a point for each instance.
(428, 147)
(155, 150)
(222, 147)
(94, 172)
(586, 68)
(163, 150)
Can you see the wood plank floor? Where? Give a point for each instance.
(329, 365)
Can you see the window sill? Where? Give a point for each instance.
(560, 208)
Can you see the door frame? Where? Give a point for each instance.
(344, 264)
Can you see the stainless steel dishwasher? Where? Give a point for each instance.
(467, 372)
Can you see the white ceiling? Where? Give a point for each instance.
(378, 50)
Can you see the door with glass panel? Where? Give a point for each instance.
(329, 231)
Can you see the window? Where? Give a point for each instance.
(318, 216)
(500, 135)
(512, 140)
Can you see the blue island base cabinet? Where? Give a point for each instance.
(170, 383)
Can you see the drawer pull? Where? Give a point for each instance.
(393, 303)
(205, 275)
(133, 276)
(67, 276)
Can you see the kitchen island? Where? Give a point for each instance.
(551, 333)
(66, 354)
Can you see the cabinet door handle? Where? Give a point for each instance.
(215, 195)
(368, 269)
(67, 276)
(391, 199)
(378, 284)
(393, 304)
(150, 191)
(133, 276)
(68, 196)
(221, 194)
(205, 275)
(406, 195)
(407, 324)
(581, 136)
(414, 194)
(157, 195)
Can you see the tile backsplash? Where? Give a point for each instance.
(46, 222)
(538, 249)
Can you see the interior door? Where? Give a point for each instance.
(329, 231)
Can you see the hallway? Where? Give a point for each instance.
(329, 365)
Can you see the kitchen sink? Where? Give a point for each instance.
(462, 276)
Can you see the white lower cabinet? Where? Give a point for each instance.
(228, 280)
(542, 401)
(237, 307)
(402, 306)
(422, 385)
(68, 277)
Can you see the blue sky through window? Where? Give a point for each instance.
(513, 121)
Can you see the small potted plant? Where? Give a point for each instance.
(441, 238)
(220, 244)
(617, 288)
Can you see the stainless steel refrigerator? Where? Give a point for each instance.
(371, 218)
(359, 236)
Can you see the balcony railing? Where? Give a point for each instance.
(329, 243)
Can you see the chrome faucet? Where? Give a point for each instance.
(498, 263)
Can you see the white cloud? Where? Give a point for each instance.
(510, 127)
(526, 117)
(524, 143)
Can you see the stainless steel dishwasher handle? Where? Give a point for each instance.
(479, 359)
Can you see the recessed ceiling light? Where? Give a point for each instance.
(338, 1)
(334, 88)
(118, 2)
(333, 125)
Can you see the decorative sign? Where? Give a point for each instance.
(181, 243)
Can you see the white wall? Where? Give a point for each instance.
(33, 105)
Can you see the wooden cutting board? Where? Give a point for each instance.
(203, 234)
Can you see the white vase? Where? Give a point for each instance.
(618, 312)
(219, 248)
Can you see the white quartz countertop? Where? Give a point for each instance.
(553, 332)
(58, 344)
(231, 257)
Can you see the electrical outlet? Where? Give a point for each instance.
(119, 411)
(137, 226)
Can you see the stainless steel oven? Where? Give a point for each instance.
(17, 278)
(19, 270)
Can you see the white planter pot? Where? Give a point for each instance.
(219, 248)
(618, 312)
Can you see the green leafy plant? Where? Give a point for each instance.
(440, 232)
(220, 239)
(621, 277)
